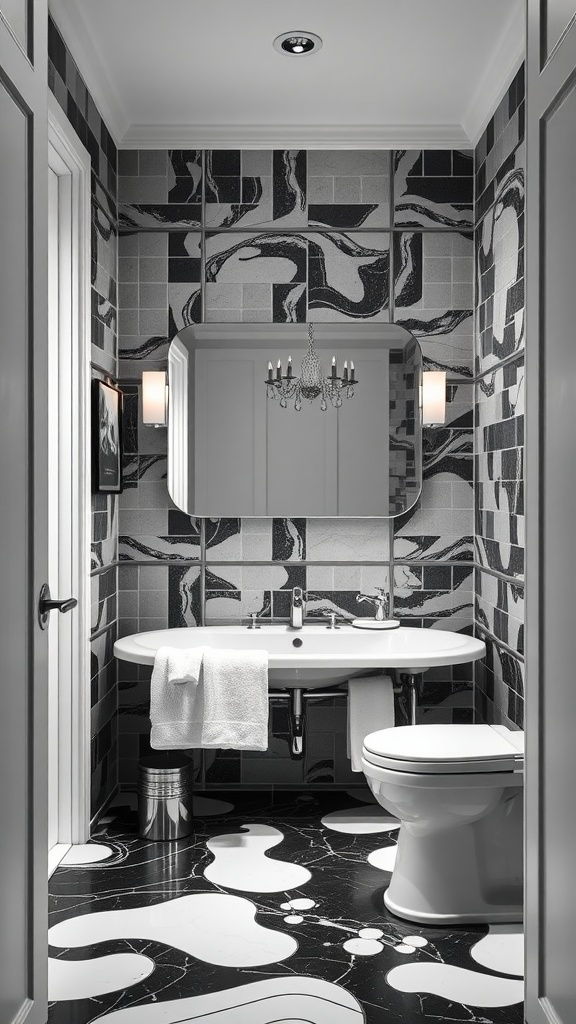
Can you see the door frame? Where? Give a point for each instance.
(71, 162)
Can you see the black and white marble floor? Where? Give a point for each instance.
(268, 914)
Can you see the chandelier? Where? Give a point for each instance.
(311, 383)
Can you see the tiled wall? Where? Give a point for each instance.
(324, 236)
(70, 90)
(293, 236)
(499, 410)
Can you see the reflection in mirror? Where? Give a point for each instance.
(233, 452)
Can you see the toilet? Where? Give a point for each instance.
(458, 792)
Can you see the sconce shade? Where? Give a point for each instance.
(154, 405)
(433, 397)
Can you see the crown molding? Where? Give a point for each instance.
(292, 136)
(499, 73)
(76, 34)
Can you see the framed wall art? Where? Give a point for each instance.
(106, 437)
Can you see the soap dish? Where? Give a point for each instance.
(376, 623)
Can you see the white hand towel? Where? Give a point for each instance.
(183, 665)
(173, 706)
(233, 700)
(370, 708)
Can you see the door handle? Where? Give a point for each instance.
(47, 604)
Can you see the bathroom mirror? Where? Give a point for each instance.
(234, 450)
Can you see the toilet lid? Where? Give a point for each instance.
(446, 748)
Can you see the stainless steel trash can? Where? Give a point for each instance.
(165, 796)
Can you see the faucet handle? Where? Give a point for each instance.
(332, 621)
(253, 624)
(381, 603)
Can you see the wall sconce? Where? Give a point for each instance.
(433, 397)
(154, 398)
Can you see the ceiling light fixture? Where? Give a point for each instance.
(297, 44)
(311, 383)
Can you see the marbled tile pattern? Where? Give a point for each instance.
(159, 187)
(440, 526)
(298, 250)
(69, 88)
(504, 132)
(500, 272)
(349, 189)
(499, 410)
(292, 278)
(433, 289)
(499, 469)
(433, 188)
(159, 288)
(329, 952)
(499, 609)
(104, 289)
(104, 529)
(256, 188)
(104, 589)
(499, 689)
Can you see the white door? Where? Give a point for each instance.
(23, 499)
(54, 469)
(68, 488)
(551, 516)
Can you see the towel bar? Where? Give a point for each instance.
(319, 694)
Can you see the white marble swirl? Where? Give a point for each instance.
(214, 927)
(240, 862)
(292, 1000)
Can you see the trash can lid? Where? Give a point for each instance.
(165, 762)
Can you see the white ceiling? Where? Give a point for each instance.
(204, 72)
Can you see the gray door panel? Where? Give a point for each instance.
(551, 519)
(23, 492)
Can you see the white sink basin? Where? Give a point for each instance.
(316, 656)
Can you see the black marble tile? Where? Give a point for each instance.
(433, 189)
(345, 896)
(288, 539)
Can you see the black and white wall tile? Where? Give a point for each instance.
(293, 236)
(434, 188)
(69, 88)
(158, 188)
(500, 270)
(499, 410)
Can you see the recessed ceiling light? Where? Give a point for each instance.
(296, 44)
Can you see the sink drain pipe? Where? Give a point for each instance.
(297, 695)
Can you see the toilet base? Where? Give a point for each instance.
(507, 915)
(471, 874)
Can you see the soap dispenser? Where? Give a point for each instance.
(381, 618)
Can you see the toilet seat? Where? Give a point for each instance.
(446, 749)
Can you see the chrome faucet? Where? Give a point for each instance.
(381, 603)
(297, 608)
